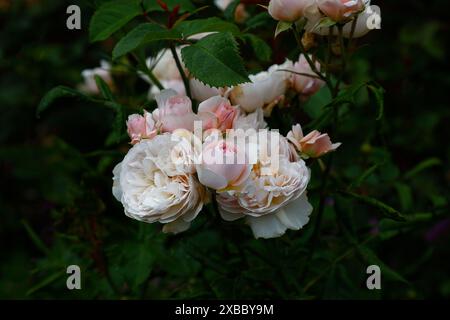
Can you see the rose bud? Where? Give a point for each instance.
(218, 113)
(141, 127)
(288, 10)
(313, 145)
(174, 111)
(220, 167)
(340, 10)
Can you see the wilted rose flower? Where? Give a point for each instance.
(340, 10)
(304, 84)
(265, 88)
(202, 92)
(313, 145)
(223, 164)
(174, 111)
(150, 193)
(288, 10)
(89, 85)
(217, 113)
(270, 204)
(141, 127)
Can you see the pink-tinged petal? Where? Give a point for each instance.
(210, 178)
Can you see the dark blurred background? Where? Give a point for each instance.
(55, 175)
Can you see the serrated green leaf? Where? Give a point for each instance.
(281, 27)
(261, 49)
(143, 34)
(215, 61)
(192, 27)
(371, 258)
(55, 94)
(112, 16)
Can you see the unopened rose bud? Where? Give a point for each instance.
(288, 10)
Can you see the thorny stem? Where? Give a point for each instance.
(181, 70)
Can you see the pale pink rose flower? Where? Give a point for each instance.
(141, 127)
(304, 84)
(288, 10)
(220, 167)
(217, 113)
(340, 10)
(313, 145)
(174, 111)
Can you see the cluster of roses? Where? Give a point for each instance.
(352, 14)
(171, 171)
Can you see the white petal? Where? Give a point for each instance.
(211, 179)
(295, 214)
(117, 189)
(266, 227)
(229, 216)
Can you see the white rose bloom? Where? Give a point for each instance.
(153, 189)
(273, 199)
(265, 88)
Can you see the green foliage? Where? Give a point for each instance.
(387, 197)
(112, 16)
(217, 52)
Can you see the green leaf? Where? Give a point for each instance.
(51, 278)
(281, 27)
(315, 105)
(405, 195)
(35, 238)
(141, 35)
(324, 23)
(215, 61)
(55, 94)
(261, 49)
(370, 257)
(378, 93)
(424, 165)
(103, 87)
(185, 5)
(117, 129)
(387, 211)
(112, 16)
(231, 9)
(260, 20)
(364, 176)
(191, 27)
